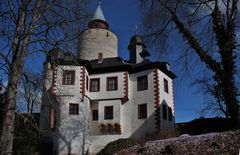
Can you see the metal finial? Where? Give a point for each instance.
(99, 2)
(136, 29)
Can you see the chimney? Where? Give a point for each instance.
(100, 57)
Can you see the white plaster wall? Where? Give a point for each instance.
(94, 41)
(103, 93)
(68, 89)
(167, 97)
(139, 49)
(131, 123)
(46, 99)
(44, 115)
(72, 130)
(94, 125)
(98, 142)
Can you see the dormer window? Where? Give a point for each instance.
(68, 77)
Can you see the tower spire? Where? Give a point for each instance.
(99, 2)
(98, 20)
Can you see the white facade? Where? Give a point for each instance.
(70, 129)
(82, 114)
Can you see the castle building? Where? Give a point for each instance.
(97, 97)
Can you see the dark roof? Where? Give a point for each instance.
(117, 64)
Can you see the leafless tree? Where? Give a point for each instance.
(28, 27)
(30, 92)
(209, 28)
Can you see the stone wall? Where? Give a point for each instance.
(213, 143)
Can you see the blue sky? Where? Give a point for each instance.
(123, 16)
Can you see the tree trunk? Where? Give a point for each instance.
(18, 59)
(224, 71)
(9, 119)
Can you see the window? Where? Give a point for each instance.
(165, 85)
(142, 111)
(108, 112)
(169, 113)
(95, 115)
(112, 83)
(142, 83)
(73, 109)
(87, 82)
(164, 111)
(68, 77)
(95, 85)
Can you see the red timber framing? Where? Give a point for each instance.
(157, 98)
(52, 119)
(82, 81)
(126, 78)
(54, 79)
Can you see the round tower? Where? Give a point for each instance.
(97, 38)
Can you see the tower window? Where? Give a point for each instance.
(87, 82)
(95, 115)
(68, 77)
(170, 114)
(73, 109)
(108, 112)
(164, 111)
(142, 83)
(142, 111)
(95, 85)
(165, 85)
(112, 83)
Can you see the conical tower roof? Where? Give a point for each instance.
(98, 20)
(98, 15)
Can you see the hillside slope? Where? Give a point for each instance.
(213, 143)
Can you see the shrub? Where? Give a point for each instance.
(26, 135)
(117, 145)
(103, 128)
(117, 128)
